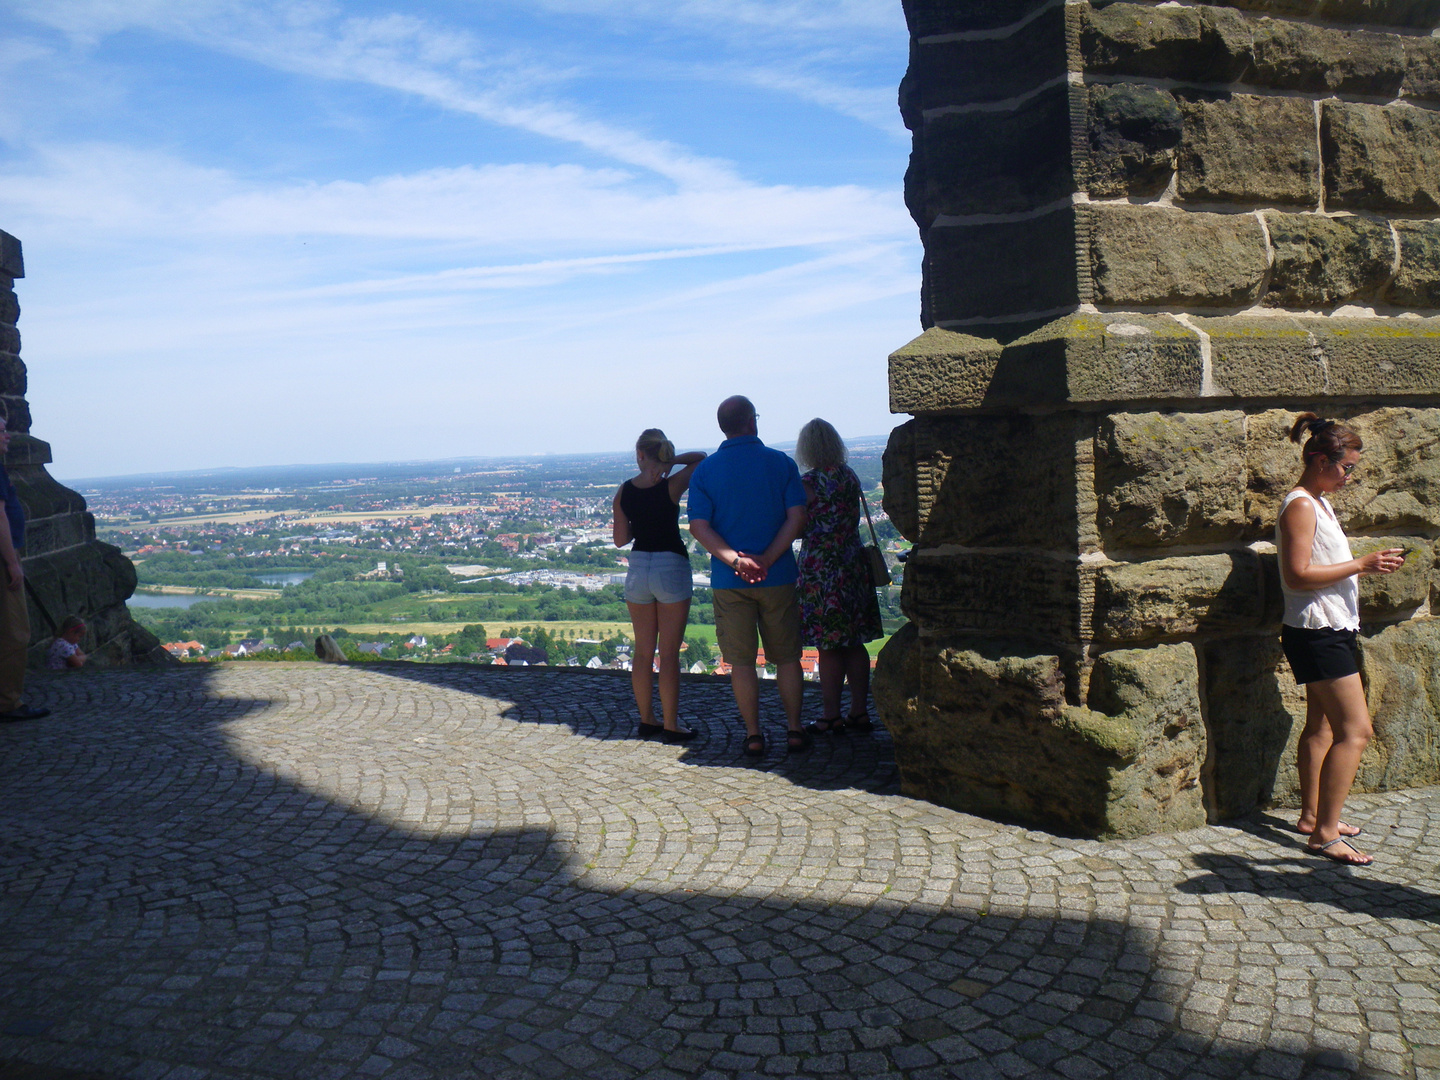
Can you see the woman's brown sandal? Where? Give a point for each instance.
(755, 746)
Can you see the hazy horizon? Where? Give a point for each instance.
(232, 471)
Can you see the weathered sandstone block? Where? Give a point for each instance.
(1155, 256)
(1250, 149)
(1300, 56)
(1322, 261)
(1409, 13)
(1417, 285)
(13, 378)
(967, 486)
(1082, 357)
(1417, 13)
(1402, 674)
(1255, 716)
(986, 729)
(991, 162)
(1100, 358)
(9, 306)
(1315, 359)
(44, 496)
(1384, 597)
(989, 69)
(929, 17)
(1161, 598)
(17, 409)
(1156, 692)
(899, 480)
(1380, 157)
(1397, 486)
(1422, 67)
(1201, 44)
(964, 279)
(1170, 479)
(53, 533)
(12, 259)
(942, 369)
(994, 594)
(1134, 131)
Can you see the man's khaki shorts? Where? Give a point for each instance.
(772, 609)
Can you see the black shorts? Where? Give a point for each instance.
(1321, 653)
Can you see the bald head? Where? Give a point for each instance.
(736, 416)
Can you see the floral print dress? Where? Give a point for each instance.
(837, 602)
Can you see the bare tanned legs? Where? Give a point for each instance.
(1337, 730)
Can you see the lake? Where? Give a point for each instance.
(164, 600)
(288, 577)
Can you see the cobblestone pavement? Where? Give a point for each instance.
(306, 872)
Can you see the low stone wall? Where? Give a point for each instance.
(1153, 233)
(69, 571)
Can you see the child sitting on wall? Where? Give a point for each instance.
(65, 649)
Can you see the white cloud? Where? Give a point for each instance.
(79, 189)
(475, 308)
(726, 16)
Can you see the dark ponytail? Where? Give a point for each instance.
(1328, 437)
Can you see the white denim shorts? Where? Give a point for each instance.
(658, 576)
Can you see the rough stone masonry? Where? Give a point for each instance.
(69, 571)
(1153, 233)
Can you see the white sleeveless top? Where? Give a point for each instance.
(1336, 606)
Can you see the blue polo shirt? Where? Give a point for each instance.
(744, 490)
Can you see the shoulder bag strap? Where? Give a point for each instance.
(868, 522)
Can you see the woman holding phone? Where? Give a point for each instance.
(1319, 579)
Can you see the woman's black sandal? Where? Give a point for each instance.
(755, 746)
(861, 724)
(679, 735)
(797, 741)
(826, 725)
(649, 731)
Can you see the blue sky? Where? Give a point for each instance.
(280, 231)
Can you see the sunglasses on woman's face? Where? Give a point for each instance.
(1348, 469)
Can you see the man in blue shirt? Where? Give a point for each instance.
(14, 611)
(747, 506)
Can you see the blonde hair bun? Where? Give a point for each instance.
(653, 444)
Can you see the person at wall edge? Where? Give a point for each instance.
(14, 609)
(1319, 633)
(658, 583)
(747, 506)
(838, 609)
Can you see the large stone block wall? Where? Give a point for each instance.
(1206, 156)
(1153, 233)
(69, 571)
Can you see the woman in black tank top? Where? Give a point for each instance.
(657, 587)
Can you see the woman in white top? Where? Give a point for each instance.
(1322, 617)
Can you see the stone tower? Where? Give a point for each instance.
(1153, 233)
(69, 572)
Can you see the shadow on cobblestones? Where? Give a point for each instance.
(607, 712)
(1306, 877)
(328, 874)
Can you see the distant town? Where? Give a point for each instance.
(499, 561)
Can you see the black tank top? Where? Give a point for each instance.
(654, 519)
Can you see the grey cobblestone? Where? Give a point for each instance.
(439, 873)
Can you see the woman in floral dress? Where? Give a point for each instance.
(838, 610)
